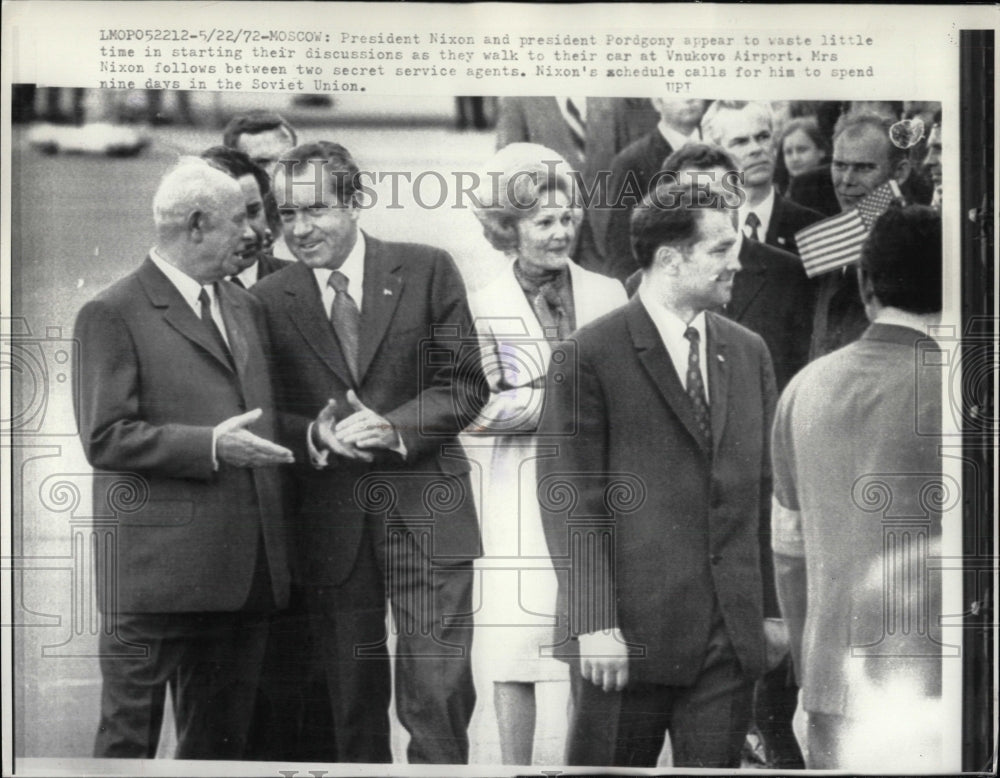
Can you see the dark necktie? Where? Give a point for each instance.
(753, 223)
(696, 388)
(577, 125)
(346, 320)
(236, 280)
(213, 328)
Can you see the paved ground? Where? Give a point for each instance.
(78, 224)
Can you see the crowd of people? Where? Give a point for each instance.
(679, 408)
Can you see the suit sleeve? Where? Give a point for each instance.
(572, 485)
(802, 296)
(769, 393)
(512, 126)
(109, 410)
(453, 389)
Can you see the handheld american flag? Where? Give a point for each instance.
(837, 241)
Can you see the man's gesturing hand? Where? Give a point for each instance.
(237, 446)
(364, 428)
(604, 659)
(325, 437)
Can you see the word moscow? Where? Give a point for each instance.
(431, 189)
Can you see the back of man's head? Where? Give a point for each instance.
(902, 259)
(252, 123)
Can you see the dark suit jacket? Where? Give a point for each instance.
(419, 367)
(631, 172)
(646, 527)
(153, 384)
(814, 189)
(267, 263)
(612, 123)
(773, 297)
(787, 218)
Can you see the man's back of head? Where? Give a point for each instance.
(901, 262)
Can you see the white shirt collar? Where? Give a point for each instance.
(675, 138)
(353, 267)
(927, 323)
(764, 209)
(188, 288)
(671, 329)
(249, 276)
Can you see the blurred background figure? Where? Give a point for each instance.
(256, 186)
(155, 114)
(264, 136)
(587, 133)
(802, 146)
(932, 161)
(531, 216)
(633, 170)
(475, 113)
(861, 606)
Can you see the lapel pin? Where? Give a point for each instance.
(720, 357)
(387, 292)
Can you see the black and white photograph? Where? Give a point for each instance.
(497, 389)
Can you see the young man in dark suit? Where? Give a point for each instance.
(175, 389)
(771, 293)
(655, 504)
(377, 372)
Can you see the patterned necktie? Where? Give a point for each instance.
(753, 223)
(577, 125)
(696, 388)
(213, 328)
(346, 320)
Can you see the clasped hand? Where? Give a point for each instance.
(354, 436)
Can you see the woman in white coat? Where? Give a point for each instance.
(528, 210)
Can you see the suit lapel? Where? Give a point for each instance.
(383, 287)
(655, 359)
(313, 323)
(775, 223)
(748, 281)
(716, 354)
(177, 313)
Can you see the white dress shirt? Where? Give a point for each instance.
(926, 323)
(763, 209)
(672, 328)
